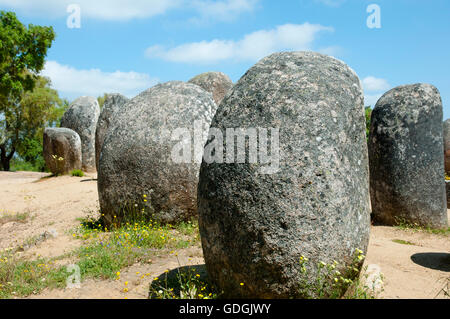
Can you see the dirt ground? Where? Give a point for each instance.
(419, 269)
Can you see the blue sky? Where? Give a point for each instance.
(128, 46)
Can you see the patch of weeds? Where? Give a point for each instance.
(403, 242)
(402, 224)
(106, 251)
(19, 278)
(188, 282)
(77, 173)
(8, 217)
(445, 291)
(330, 283)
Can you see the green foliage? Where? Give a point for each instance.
(77, 172)
(368, 112)
(101, 100)
(403, 224)
(403, 242)
(20, 277)
(22, 53)
(331, 283)
(27, 103)
(23, 125)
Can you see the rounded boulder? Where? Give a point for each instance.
(62, 150)
(217, 83)
(307, 194)
(150, 160)
(113, 104)
(82, 116)
(406, 164)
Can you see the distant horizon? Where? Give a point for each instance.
(116, 47)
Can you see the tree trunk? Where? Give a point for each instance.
(5, 158)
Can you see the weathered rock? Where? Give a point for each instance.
(447, 146)
(113, 103)
(82, 117)
(406, 162)
(254, 227)
(139, 155)
(62, 143)
(217, 83)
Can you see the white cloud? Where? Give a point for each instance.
(374, 84)
(376, 87)
(100, 9)
(251, 47)
(122, 10)
(225, 10)
(371, 99)
(73, 82)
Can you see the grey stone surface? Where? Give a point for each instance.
(82, 117)
(217, 83)
(65, 143)
(447, 146)
(113, 104)
(254, 227)
(137, 159)
(406, 162)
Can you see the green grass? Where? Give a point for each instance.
(77, 172)
(19, 278)
(8, 217)
(106, 251)
(403, 242)
(402, 224)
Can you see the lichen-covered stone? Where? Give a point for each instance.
(137, 156)
(217, 83)
(406, 163)
(65, 144)
(113, 104)
(82, 117)
(255, 226)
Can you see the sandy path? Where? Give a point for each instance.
(55, 203)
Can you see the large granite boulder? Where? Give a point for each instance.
(150, 151)
(217, 83)
(310, 198)
(62, 150)
(406, 163)
(82, 116)
(447, 146)
(113, 103)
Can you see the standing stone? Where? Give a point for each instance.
(406, 163)
(447, 146)
(113, 104)
(255, 223)
(82, 117)
(63, 143)
(217, 83)
(141, 155)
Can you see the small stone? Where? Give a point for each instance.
(65, 144)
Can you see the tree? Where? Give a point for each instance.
(368, 112)
(40, 108)
(22, 57)
(101, 100)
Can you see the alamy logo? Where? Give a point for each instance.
(233, 145)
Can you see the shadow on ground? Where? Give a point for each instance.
(436, 261)
(178, 277)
